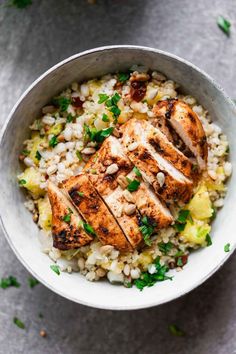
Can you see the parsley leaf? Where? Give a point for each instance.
(81, 194)
(89, 229)
(32, 282)
(98, 135)
(111, 104)
(8, 282)
(208, 240)
(179, 262)
(67, 217)
(122, 77)
(25, 152)
(105, 118)
(22, 181)
(38, 155)
(182, 220)
(227, 247)
(53, 141)
(102, 98)
(116, 112)
(18, 323)
(165, 247)
(78, 154)
(137, 172)
(147, 228)
(133, 184)
(176, 331)
(147, 279)
(69, 118)
(224, 24)
(55, 269)
(62, 102)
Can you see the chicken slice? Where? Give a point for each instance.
(66, 230)
(168, 182)
(149, 205)
(110, 154)
(187, 125)
(95, 212)
(169, 152)
(117, 202)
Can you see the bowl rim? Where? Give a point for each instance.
(202, 73)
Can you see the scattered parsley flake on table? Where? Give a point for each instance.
(224, 24)
(227, 247)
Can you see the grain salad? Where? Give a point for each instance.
(74, 128)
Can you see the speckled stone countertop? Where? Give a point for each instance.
(31, 41)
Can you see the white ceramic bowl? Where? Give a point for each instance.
(17, 223)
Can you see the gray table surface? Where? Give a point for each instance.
(31, 41)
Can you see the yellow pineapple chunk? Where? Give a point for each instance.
(31, 179)
(195, 233)
(45, 213)
(200, 205)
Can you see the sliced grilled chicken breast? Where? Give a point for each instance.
(66, 232)
(187, 125)
(95, 212)
(109, 162)
(169, 152)
(118, 204)
(175, 185)
(149, 205)
(127, 207)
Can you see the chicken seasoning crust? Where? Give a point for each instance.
(124, 176)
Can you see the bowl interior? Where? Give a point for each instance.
(17, 221)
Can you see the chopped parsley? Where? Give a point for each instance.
(32, 282)
(25, 152)
(8, 282)
(182, 220)
(55, 269)
(97, 135)
(105, 118)
(165, 247)
(127, 284)
(176, 331)
(67, 217)
(102, 98)
(224, 24)
(69, 118)
(22, 182)
(53, 141)
(20, 4)
(146, 279)
(111, 104)
(113, 100)
(89, 229)
(179, 262)
(18, 323)
(62, 103)
(208, 240)
(81, 194)
(78, 154)
(122, 77)
(38, 156)
(137, 172)
(147, 228)
(213, 215)
(227, 247)
(133, 184)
